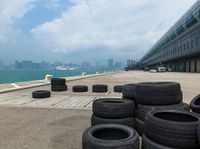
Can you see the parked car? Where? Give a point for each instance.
(152, 70)
(161, 69)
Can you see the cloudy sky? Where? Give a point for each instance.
(78, 30)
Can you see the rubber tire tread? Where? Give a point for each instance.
(170, 133)
(158, 93)
(80, 88)
(139, 126)
(90, 142)
(143, 109)
(99, 88)
(195, 104)
(149, 144)
(58, 81)
(41, 94)
(128, 91)
(113, 108)
(129, 121)
(59, 88)
(117, 88)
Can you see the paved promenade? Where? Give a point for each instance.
(58, 122)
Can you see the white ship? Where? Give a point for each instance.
(64, 68)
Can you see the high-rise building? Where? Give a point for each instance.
(110, 64)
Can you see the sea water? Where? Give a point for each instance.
(11, 76)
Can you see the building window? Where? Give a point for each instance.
(197, 41)
(188, 45)
(184, 47)
(192, 43)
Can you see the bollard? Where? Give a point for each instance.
(48, 77)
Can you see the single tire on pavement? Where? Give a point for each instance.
(59, 88)
(128, 91)
(195, 104)
(110, 136)
(80, 88)
(129, 121)
(41, 94)
(158, 93)
(139, 126)
(143, 109)
(118, 88)
(173, 128)
(149, 144)
(113, 108)
(99, 88)
(58, 81)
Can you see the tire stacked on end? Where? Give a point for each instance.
(170, 129)
(156, 95)
(113, 111)
(58, 84)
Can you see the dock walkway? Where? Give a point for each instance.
(58, 122)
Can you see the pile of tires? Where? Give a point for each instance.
(113, 111)
(156, 95)
(110, 136)
(170, 129)
(58, 84)
(195, 104)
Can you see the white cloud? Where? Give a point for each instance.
(11, 11)
(113, 24)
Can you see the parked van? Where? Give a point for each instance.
(161, 69)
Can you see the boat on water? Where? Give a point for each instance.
(64, 68)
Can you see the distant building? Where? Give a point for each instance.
(27, 65)
(110, 64)
(1, 64)
(118, 65)
(85, 64)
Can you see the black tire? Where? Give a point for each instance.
(128, 91)
(118, 88)
(129, 121)
(110, 136)
(149, 144)
(59, 88)
(113, 108)
(198, 133)
(58, 81)
(143, 109)
(173, 128)
(99, 88)
(139, 126)
(158, 93)
(80, 88)
(195, 104)
(41, 94)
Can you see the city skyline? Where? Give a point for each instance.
(28, 64)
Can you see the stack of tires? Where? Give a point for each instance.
(113, 111)
(58, 84)
(170, 129)
(156, 95)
